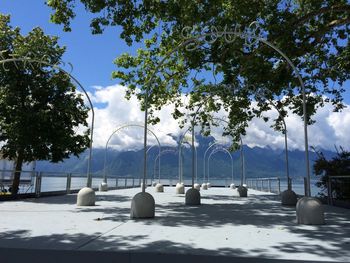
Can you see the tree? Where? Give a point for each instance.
(40, 110)
(337, 166)
(312, 33)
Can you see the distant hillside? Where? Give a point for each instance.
(259, 162)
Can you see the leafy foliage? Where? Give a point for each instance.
(313, 34)
(40, 110)
(337, 166)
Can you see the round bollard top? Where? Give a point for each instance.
(142, 206)
(180, 189)
(204, 186)
(232, 186)
(193, 197)
(86, 197)
(159, 188)
(289, 198)
(242, 191)
(310, 211)
(197, 186)
(103, 187)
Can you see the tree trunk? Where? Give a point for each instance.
(17, 175)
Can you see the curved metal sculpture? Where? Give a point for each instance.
(29, 60)
(194, 155)
(221, 149)
(241, 151)
(158, 157)
(202, 37)
(110, 137)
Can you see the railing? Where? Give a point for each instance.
(267, 184)
(50, 183)
(279, 184)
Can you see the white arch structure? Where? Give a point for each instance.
(158, 157)
(224, 150)
(117, 130)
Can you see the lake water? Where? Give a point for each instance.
(53, 183)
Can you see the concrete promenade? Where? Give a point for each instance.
(225, 228)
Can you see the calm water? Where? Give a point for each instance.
(50, 183)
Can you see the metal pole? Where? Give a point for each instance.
(196, 165)
(286, 152)
(68, 184)
(145, 142)
(279, 185)
(242, 168)
(193, 155)
(180, 163)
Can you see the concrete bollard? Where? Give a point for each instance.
(232, 186)
(242, 191)
(289, 198)
(204, 186)
(193, 197)
(310, 211)
(159, 188)
(103, 187)
(86, 197)
(197, 186)
(179, 188)
(142, 206)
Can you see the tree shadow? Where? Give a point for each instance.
(19, 246)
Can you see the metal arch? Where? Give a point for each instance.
(194, 153)
(244, 36)
(204, 159)
(241, 152)
(180, 154)
(158, 157)
(30, 60)
(123, 127)
(221, 149)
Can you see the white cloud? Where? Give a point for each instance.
(113, 110)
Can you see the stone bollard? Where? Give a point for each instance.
(289, 198)
(242, 191)
(197, 186)
(204, 186)
(159, 188)
(86, 197)
(142, 206)
(310, 211)
(103, 187)
(179, 188)
(232, 186)
(193, 197)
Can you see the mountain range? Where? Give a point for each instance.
(258, 162)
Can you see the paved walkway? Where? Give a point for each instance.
(253, 229)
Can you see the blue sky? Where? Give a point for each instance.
(92, 57)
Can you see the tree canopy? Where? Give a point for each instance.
(338, 166)
(40, 110)
(314, 34)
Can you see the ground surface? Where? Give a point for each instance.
(256, 228)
